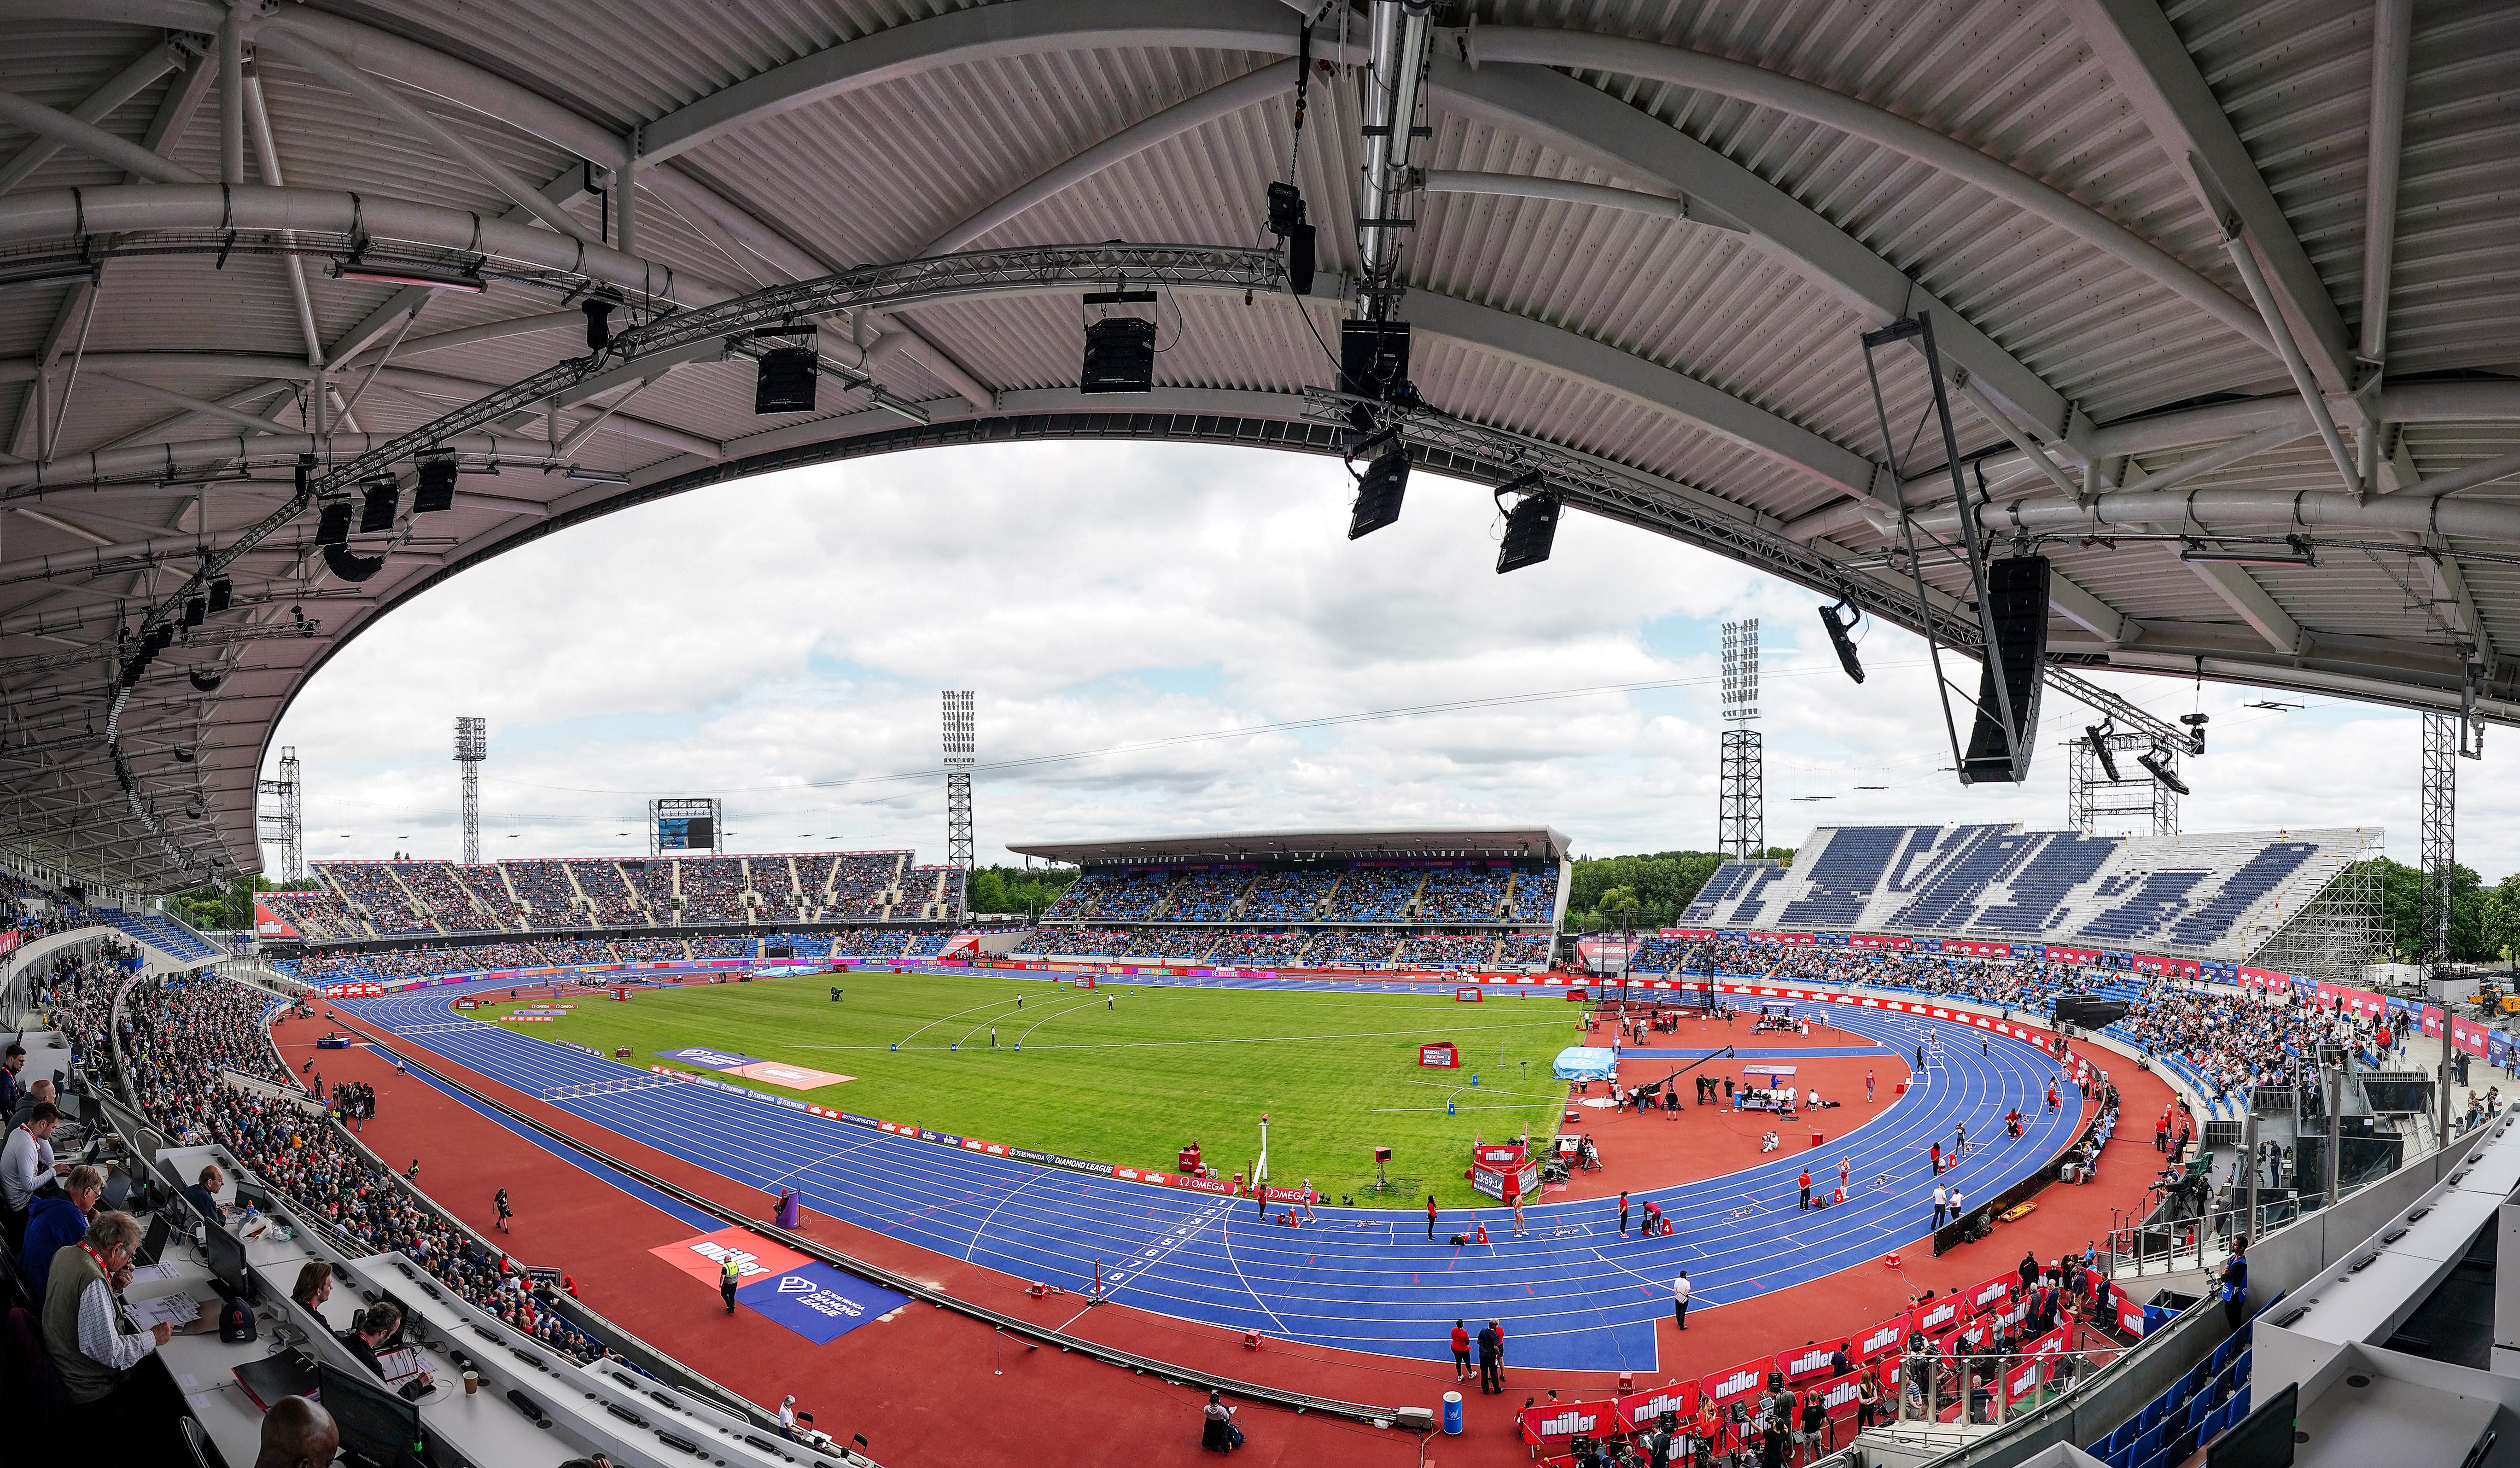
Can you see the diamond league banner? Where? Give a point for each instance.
(819, 1302)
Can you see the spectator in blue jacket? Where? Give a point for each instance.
(55, 1222)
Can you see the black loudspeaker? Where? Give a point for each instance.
(785, 382)
(2016, 592)
(1119, 355)
(1530, 530)
(437, 489)
(376, 507)
(350, 565)
(1374, 356)
(222, 594)
(2088, 1013)
(1377, 495)
(196, 610)
(333, 525)
(1299, 259)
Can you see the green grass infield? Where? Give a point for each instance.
(1130, 1074)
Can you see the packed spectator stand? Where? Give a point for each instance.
(177, 1034)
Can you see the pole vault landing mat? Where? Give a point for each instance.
(820, 1303)
(794, 1077)
(807, 1296)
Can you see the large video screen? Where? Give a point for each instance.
(686, 833)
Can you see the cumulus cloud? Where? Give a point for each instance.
(779, 643)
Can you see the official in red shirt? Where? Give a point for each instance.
(1806, 1188)
(1461, 1351)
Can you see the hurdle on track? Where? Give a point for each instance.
(606, 1087)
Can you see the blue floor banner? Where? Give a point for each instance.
(820, 1303)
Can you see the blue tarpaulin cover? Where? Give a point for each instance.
(1584, 1062)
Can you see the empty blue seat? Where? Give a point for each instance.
(2240, 1367)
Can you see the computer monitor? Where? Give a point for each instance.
(379, 1429)
(248, 1193)
(2264, 1438)
(117, 1188)
(156, 1243)
(226, 1262)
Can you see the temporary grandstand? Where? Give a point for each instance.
(2227, 896)
(1482, 898)
(361, 904)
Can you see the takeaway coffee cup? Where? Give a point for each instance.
(472, 1383)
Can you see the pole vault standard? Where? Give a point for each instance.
(1260, 1169)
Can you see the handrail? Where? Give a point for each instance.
(1298, 1402)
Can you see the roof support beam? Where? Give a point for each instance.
(300, 51)
(124, 85)
(1557, 110)
(963, 37)
(2137, 46)
(1591, 52)
(2393, 25)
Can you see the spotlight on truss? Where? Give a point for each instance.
(2195, 731)
(1838, 627)
(2098, 736)
(1530, 526)
(2157, 760)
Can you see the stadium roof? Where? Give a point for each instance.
(1527, 842)
(1645, 248)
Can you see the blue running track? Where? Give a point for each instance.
(1572, 1295)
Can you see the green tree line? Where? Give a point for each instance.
(1015, 889)
(2484, 922)
(1650, 890)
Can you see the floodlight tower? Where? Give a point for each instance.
(1741, 807)
(281, 823)
(471, 746)
(962, 752)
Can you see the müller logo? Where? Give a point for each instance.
(1839, 1394)
(1809, 1360)
(1880, 1337)
(1736, 1384)
(1565, 1423)
(1659, 1403)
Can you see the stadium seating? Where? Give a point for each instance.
(1286, 896)
(374, 890)
(2211, 896)
(1207, 896)
(551, 899)
(1464, 895)
(317, 914)
(446, 902)
(1374, 893)
(611, 899)
(164, 934)
(1449, 950)
(711, 888)
(1534, 895)
(488, 886)
(773, 880)
(1343, 946)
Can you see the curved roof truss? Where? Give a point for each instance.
(1642, 255)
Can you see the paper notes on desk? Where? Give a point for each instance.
(176, 1311)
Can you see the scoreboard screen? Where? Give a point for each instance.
(686, 833)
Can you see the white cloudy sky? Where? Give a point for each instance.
(779, 643)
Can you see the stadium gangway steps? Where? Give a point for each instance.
(621, 1086)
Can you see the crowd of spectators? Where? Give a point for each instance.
(1338, 946)
(1535, 896)
(180, 1032)
(1286, 896)
(1263, 949)
(1462, 894)
(941, 886)
(447, 902)
(776, 883)
(711, 888)
(601, 883)
(316, 914)
(1134, 895)
(487, 887)
(1207, 896)
(544, 887)
(1449, 950)
(1374, 893)
(372, 889)
(857, 884)
(1525, 949)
